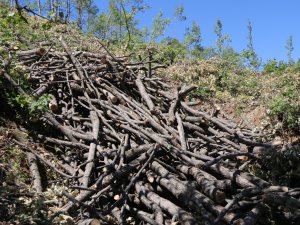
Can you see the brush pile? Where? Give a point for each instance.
(137, 149)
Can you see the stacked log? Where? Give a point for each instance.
(134, 146)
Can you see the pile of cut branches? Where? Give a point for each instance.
(134, 146)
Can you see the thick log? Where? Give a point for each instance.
(91, 156)
(148, 218)
(158, 214)
(237, 177)
(144, 94)
(34, 169)
(173, 106)
(41, 90)
(182, 135)
(185, 218)
(110, 96)
(53, 106)
(275, 199)
(63, 143)
(205, 181)
(189, 196)
(252, 216)
(89, 222)
(32, 53)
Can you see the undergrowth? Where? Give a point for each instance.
(277, 88)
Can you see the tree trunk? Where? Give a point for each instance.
(68, 11)
(39, 7)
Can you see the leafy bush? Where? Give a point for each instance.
(288, 113)
(39, 105)
(34, 106)
(12, 28)
(272, 66)
(169, 51)
(203, 91)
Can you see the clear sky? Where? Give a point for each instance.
(273, 21)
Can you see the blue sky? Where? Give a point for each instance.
(272, 21)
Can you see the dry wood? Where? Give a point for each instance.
(205, 181)
(34, 169)
(31, 53)
(166, 205)
(53, 106)
(89, 222)
(115, 129)
(89, 166)
(144, 94)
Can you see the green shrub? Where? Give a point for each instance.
(284, 110)
(10, 24)
(28, 104)
(203, 92)
(272, 66)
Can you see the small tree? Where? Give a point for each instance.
(171, 49)
(159, 26)
(250, 53)
(221, 39)
(119, 24)
(192, 40)
(178, 15)
(289, 48)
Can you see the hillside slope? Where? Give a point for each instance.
(89, 137)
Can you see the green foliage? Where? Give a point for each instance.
(82, 7)
(221, 38)
(203, 92)
(282, 66)
(272, 66)
(10, 22)
(159, 26)
(32, 105)
(296, 66)
(249, 86)
(23, 100)
(119, 24)
(251, 58)
(285, 106)
(285, 112)
(192, 39)
(237, 84)
(39, 105)
(16, 34)
(178, 15)
(232, 57)
(290, 48)
(100, 26)
(170, 50)
(204, 53)
(15, 157)
(249, 54)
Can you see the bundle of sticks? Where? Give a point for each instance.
(138, 150)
